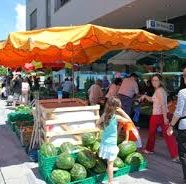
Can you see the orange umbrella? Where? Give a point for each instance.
(77, 44)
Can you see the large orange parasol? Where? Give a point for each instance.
(76, 44)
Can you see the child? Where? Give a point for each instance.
(109, 121)
(130, 131)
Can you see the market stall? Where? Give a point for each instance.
(57, 121)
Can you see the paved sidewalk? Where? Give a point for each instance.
(161, 170)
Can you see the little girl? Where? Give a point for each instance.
(109, 122)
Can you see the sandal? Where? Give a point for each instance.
(176, 160)
(147, 152)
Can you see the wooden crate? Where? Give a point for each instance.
(66, 120)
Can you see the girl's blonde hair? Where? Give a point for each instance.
(110, 109)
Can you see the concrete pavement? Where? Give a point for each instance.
(161, 170)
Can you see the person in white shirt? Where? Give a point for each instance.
(129, 88)
(180, 119)
(25, 91)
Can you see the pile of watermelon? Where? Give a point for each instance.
(79, 162)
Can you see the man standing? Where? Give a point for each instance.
(67, 87)
(129, 88)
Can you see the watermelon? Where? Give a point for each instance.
(60, 177)
(48, 150)
(88, 139)
(78, 172)
(65, 161)
(95, 147)
(134, 159)
(126, 149)
(100, 166)
(118, 163)
(87, 159)
(120, 139)
(66, 147)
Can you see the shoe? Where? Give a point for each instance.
(176, 160)
(147, 152)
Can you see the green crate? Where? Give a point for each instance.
(11, 125)
(90, 180)
(103, 177)
(17, 131)
(46, 164)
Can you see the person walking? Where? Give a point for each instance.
(17, 88)
(183, 79)
(159, 118)
(179, 119)
(109, 122)
(129, 88)
(25, 91)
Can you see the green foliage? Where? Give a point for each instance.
(3, 71)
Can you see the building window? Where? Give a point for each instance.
(33, 19)
(60, 3)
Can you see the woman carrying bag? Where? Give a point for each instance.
(159, 118)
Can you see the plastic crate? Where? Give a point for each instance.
(46, 165)
(90, 180)
(17, 131)
(11, 125)
(103, 177)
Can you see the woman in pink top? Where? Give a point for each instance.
(114, 88)
(159, 117)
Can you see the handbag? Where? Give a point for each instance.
(175, 128)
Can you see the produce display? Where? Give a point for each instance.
(48, 150)
(87, 159)
(100, 166)
(134, 159)
(21, 122)
(78, 172)
(127, 149)
(65, 161)
(24, 109)
(60, 176)
(21, 113)
(119, 163)
(66, 147)
(76, 163)
(88, 139)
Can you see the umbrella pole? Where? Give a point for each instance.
(161, 64)
(73, 87)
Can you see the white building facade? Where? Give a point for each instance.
(113, 13)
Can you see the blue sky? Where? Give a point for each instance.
(12, 17)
